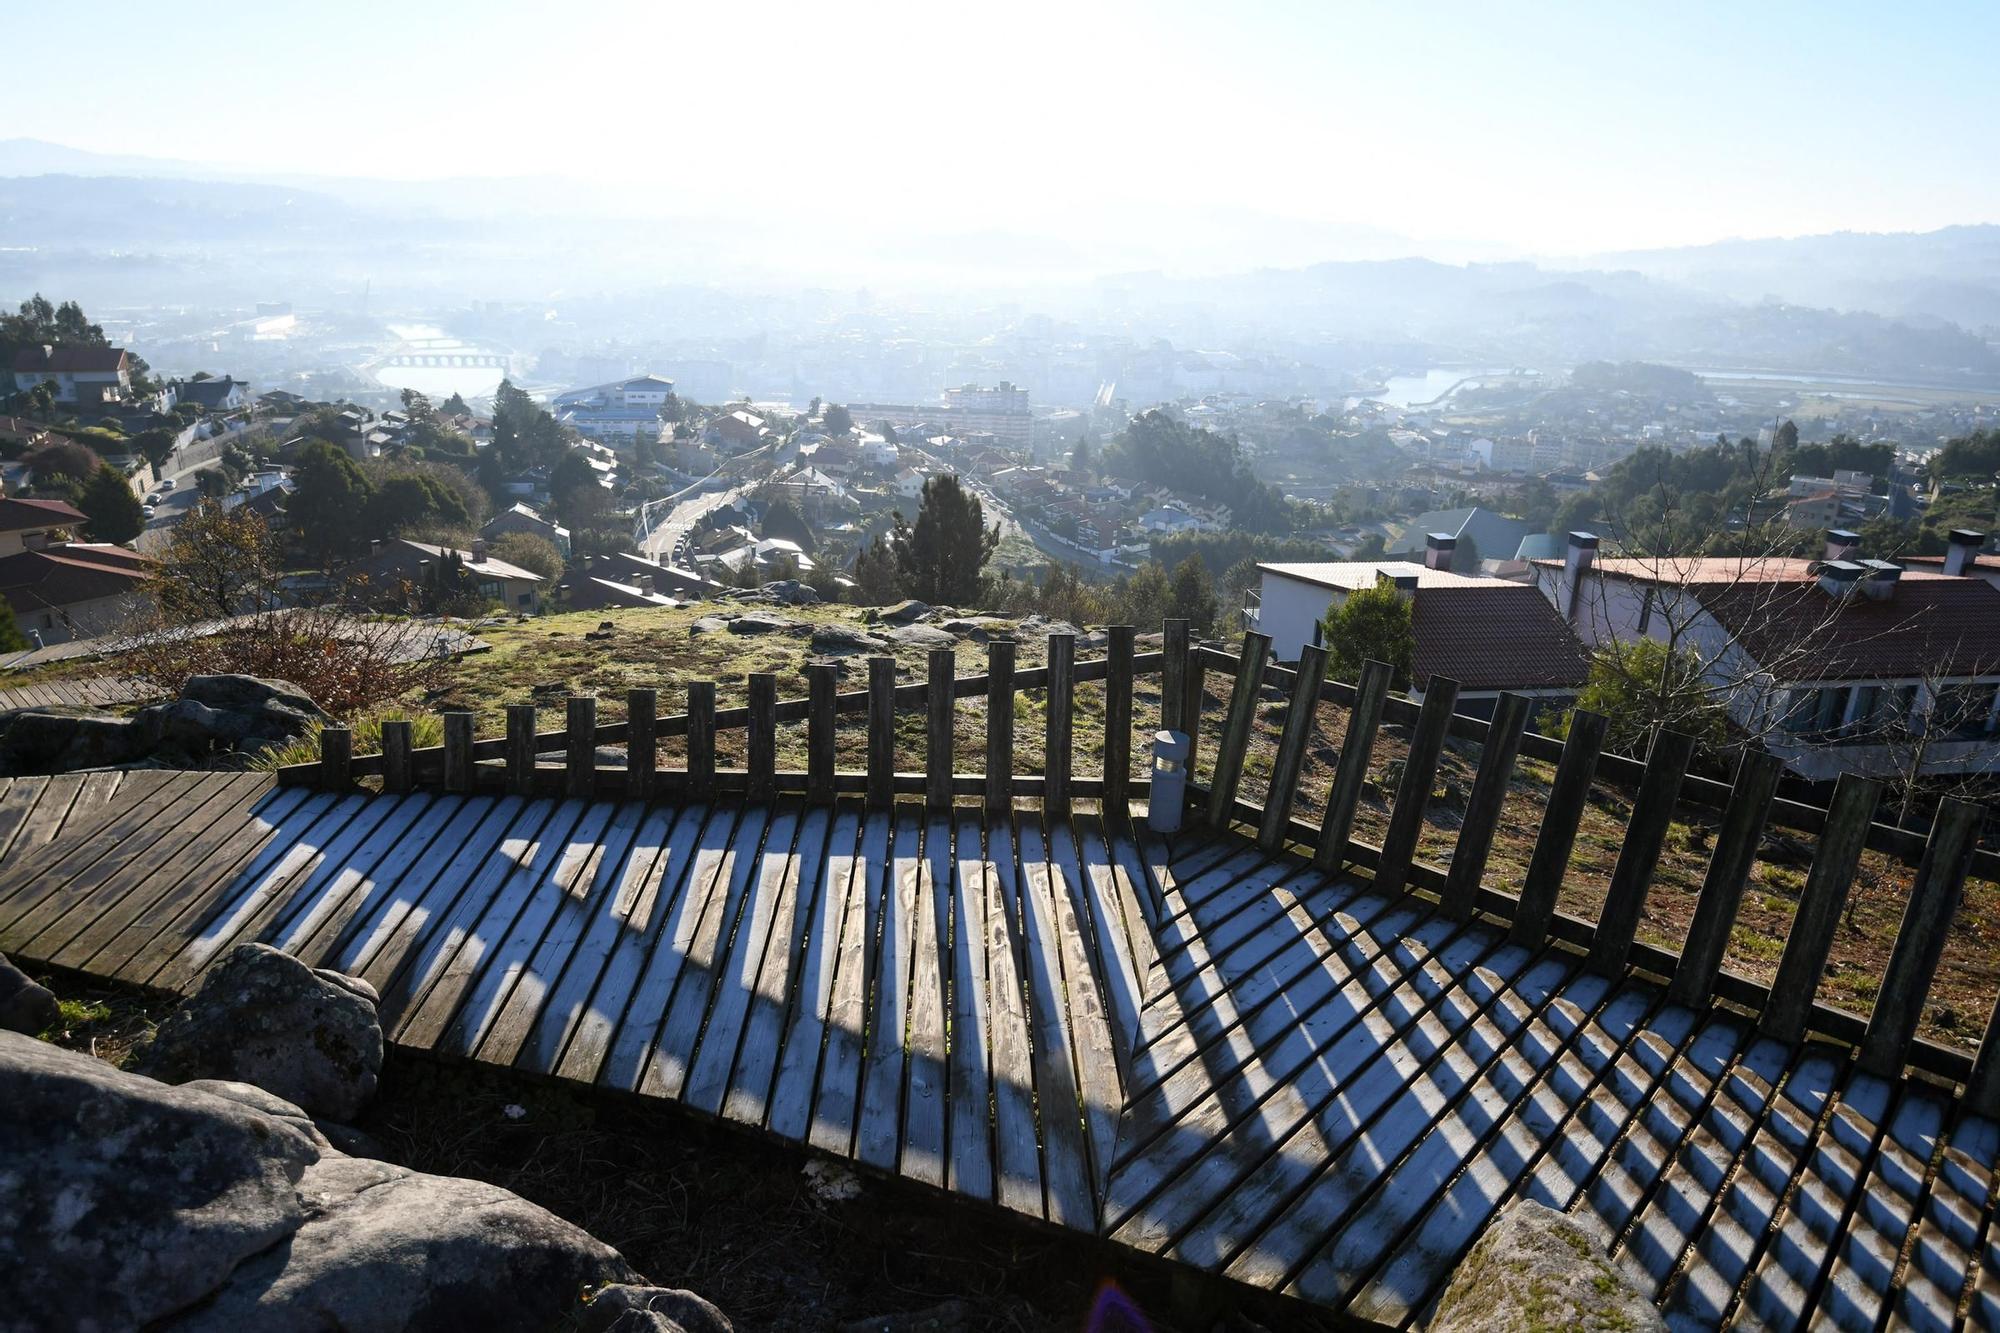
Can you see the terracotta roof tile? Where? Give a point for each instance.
(1495, 635)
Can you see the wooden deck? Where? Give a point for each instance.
(1204, 1051)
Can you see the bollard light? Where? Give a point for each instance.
(1168, 795)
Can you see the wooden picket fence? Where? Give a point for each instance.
(1750, 805)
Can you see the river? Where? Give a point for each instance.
(440, 382)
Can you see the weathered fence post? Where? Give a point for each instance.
(1056, 733)
(1919, 943)
(701, 737)
(336, 757)
(1811, 936)
(1299, 715)
(398, 767)
(521, 749)
(1736, 843)
(580, 733)
(882, 732)
(1235, 742)
(458, 751)
(1645, 835)
(1569, 794)
(1173, 675)
(821, 683)
(1484, 805)
(1351, 766)
(642, 742)
(1413, 793)
(941, 704)
(999, 724)
(1118, 720)
(762, 783)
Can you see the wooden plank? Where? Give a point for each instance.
(1298, 730)
(1351, 770)
(1913, 960)
(580, 754)
(970, 1168)
(1061, 705)
(878, 1131)
(881, 731)
(414, 833)
(521, 749)
(1413, 791)
(458, 726)
(574, 1030)
(1645, 836)
(781, 985)
(1093, 1043)
(642, 742)
(1982, 1087)
(1117, 766)
(1016, 1153)
(1174, 671)
(1857, 1290)
(1729, 865)
(1953, 1212)
(1077, 851)
(1562, 814)
(820, 739)
(705, 867)
(354, 877)
(763, 735)
(23, 878)
(841, 1066)
(694, 990)
(1483, 805)
(1810, 939)
(336, 758)
(18, 802)
(701, 734)
(926, 1153)
(1234, 745)
(938, 730)
(1059, 1099)
(397, 774)
(999, 724)
(374, 947)
(740, 971)
(824, 926)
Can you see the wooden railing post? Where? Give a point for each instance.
(1913, 959)
(1736, 844)
(398, 769)
(1056, 733)
(521, 749)
(821, 684)
(1118, 720)
(701, 737)
(1982, 1088)
(1483, 806)
(1174, 675)
(999, 724)
(1413, 792)
(1343, 798)
(1235, 742)
(1562, 813)
(882, 731)
(1299, 715)
(1645, 835)
(940, 738)
(458, 751)
(1818, 916)
(642, 742)
(762, 783)
(580, 733)
(336, 757)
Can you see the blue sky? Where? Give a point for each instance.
(1549, 128)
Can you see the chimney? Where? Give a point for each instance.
(478, 550)
(646, 584)
(374, 546)
(1881, 579)
(1839, 578)
(1438, 549)
(1963, 553)
(1841, 544)
(1577, 561)
(1404, 584)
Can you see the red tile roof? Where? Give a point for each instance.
(66, 575)
(70, 360)
(1495, 636)
(1931, 625)
(33, 515)
(1715, 569)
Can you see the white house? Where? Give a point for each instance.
(1169, 520)
(83, 376)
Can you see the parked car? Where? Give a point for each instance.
(147, 510)
(168, 484)
(152, 499)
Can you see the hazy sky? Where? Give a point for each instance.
(1542, 128)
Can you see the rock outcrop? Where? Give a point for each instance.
(216, 719)
(263, 1017)
(25, 1005)
(1534, 1269)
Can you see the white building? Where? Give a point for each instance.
(622, 410)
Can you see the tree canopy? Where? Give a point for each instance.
(1373, 623)
(115, 513)
(941, 556)
(1160, 448)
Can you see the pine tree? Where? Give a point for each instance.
(115, 513)
(941, 555)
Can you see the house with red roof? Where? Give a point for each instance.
(59, 589)
(83, 376)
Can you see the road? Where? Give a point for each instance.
(172, 508)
